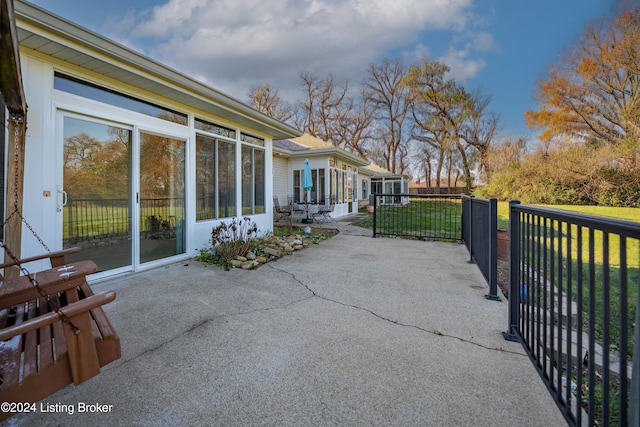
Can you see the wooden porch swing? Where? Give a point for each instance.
(53, 331)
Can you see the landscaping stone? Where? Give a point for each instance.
(261, 260)
(235, 263)
(248, 265)
(274, 252)
(241, 258)
(250, 255)
(298, 247)
(288, 248)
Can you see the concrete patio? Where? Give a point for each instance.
(353, 331)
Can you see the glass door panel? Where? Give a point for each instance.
(95, 198)
(162, 191)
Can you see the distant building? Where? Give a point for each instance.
(432, 187)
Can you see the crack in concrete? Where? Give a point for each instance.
(395, 322)
(314, 294)
(205, 321)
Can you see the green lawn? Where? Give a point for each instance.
(629, 214)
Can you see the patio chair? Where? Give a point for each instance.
(324, 213)
(298, 211)
(281, 211)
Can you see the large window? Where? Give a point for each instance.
(108, 96)
(317, 192)
(253, 180)
(253, 176)
(215, 178)
(342, 184)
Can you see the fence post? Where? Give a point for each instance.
(375, 211)
(493, 250)
(634, 410)
(469, 230)
(514, 281)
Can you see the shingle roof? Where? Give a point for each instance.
(304, 142)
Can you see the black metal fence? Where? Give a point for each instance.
(480, 236)
(90, 219)
(573, 297)
(428, 217)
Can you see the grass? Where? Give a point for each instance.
(629, 214)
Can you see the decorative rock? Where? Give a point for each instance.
(298, 247)
(241, 258)
(261, 259)
(274, 252)
(296, 242)
(288, 248)
(235, 263)
(250, 256)
(248, 265)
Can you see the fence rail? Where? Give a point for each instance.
(573, 296)
(423, 217)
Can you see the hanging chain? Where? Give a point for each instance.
(18, 119)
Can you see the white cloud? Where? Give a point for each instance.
(233, 45)
(462, 66)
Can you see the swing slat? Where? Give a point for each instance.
(45, 342)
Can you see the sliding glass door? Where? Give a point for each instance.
(162, 190)
(95, 198)
(111, 176)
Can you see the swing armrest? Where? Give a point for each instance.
(57, 258)
(70, 311)
(20, 289)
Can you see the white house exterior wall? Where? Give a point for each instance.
(280, 179)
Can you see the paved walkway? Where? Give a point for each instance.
(353, 331)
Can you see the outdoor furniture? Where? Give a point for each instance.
(298, 211)
(324, 213)
(312, 211)
(281, 211)
(53, 331)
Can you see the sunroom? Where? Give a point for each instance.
(127, 158)
(394, 186)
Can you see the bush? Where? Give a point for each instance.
(233, 239)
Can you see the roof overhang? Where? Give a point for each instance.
(51, 35)
(322, 152)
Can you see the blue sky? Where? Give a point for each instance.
(501, 47)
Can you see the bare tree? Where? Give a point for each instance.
(479, 130)
(321, 110)
(266, 99)
(446, 114)
(329, 112)
(391, 100)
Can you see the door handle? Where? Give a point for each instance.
(62, 199)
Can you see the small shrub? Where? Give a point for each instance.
(234, 239)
